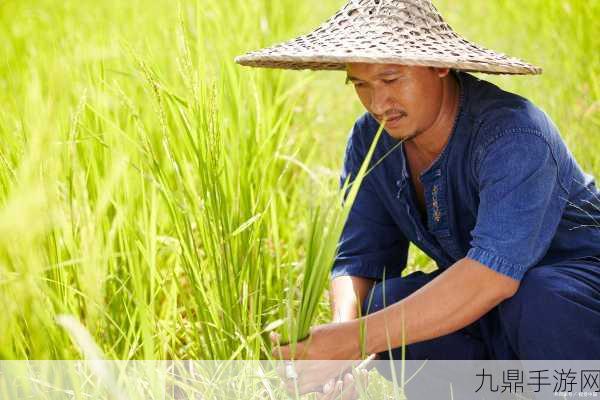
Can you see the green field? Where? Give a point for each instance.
(163, 195)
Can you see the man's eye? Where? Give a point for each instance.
(388, 81)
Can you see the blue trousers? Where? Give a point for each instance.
(555, 315)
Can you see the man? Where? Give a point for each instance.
(476, 177)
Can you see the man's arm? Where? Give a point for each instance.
(347, 296)
(454, 299)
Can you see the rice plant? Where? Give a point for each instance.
(326, 228)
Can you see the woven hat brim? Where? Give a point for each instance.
(332, 63)
(477, 59)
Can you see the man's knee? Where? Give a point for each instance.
(459, 345)
(549, 309)
(537, 291)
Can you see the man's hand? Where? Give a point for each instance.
(337, 345)
(348, 388)
(335, 341)
(351, 385)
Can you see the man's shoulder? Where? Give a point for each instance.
(496, 112)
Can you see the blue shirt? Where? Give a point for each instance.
(505, 191)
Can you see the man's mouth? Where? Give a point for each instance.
(392, 121)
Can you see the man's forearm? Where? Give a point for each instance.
(347, 295)
(451, 301)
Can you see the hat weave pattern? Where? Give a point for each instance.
(406, 32)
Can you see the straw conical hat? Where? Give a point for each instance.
(407, 32)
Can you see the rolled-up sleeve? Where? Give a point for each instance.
(371, 245)
(521, 201)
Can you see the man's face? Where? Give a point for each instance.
(409, 97)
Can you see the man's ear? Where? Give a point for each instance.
(442, 72)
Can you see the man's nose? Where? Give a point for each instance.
(379, 101)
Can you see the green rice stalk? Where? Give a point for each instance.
(326, 228)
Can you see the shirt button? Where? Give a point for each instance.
(398, 183)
